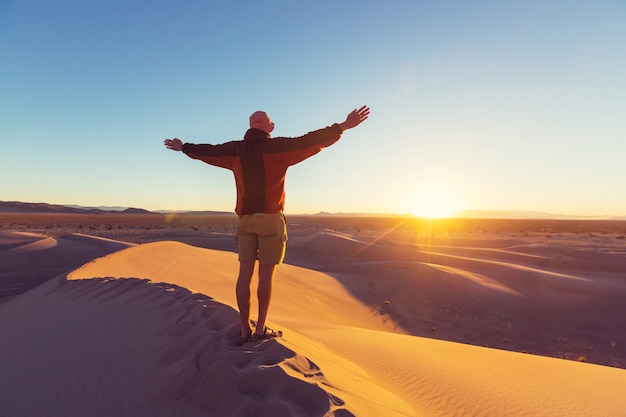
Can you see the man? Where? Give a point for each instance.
(259, 165)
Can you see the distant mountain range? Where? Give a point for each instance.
(521, 214)
(21, 207)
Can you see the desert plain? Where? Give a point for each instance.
(135, 315)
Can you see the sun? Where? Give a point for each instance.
(433, 201)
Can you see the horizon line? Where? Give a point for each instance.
(461, 214)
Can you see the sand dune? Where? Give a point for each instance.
(562, 300)
(149, 330)
(29, 259)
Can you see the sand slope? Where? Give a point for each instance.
(559, 296)
(28, 259)
(158, 340)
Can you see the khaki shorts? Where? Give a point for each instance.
(262, 236)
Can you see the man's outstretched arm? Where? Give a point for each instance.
(216, 155)
(355, 118)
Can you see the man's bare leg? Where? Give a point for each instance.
(266, 277)
(243, 295)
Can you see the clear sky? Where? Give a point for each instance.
(492, 105)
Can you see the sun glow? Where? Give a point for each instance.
(433, 201)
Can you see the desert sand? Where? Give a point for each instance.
(132, 318)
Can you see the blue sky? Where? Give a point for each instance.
(475, 104)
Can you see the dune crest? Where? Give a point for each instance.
(131, 347)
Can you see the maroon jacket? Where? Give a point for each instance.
(260, 164)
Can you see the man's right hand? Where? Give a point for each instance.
(355, 118)
(173, 144)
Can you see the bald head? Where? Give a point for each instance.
(260, 120)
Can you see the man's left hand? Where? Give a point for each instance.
(173, 144)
